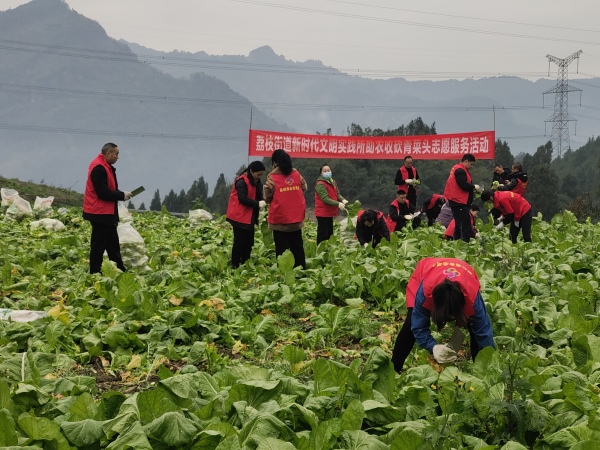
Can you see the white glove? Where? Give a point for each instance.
(128, 195)
(345, 202)
(415, 215)
(477, 236)
(341, 206)
(366, 244)
(516, 223)
(408, 217)
(444, 354)
(500, 226)
(477, 188)
(262, 203)
(501, 218)
(409, 181)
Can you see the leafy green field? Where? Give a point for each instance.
(194, 355)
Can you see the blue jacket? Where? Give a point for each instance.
(480, 325)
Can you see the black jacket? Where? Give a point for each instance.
(461, 180)
(514, 177)
(504, 176)
(365, 234)
(398, 216)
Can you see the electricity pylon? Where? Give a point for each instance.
(560, 118)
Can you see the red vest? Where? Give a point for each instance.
(391, 224)
(452, 225)
(91, 203)
(507, 202)
(405, 176)
(453, 191)
(288, 204)
(235, 210)
(321, 208)
(434, 199)
(433, 271)
(520, 187)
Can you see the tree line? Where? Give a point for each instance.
(570, 182)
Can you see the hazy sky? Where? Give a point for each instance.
(435, 39)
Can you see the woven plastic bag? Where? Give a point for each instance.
(19, 209)
(42, 207)
(133, 248)
(8, 195)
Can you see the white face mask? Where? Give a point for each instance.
(327, 175)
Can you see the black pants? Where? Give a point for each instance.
(524, 226)
(324, 228)
(462, 229)
(406, 341)
(243, 241)
(292, 241)
(411, 196)
(431, 216)
(104, 237)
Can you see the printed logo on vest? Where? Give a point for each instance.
(451, 272)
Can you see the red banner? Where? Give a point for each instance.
(438, 146)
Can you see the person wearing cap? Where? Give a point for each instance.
(514, 209)
(459, 194)
(371, 227)
(328, 201)
(242, 211)
(100, 207)
(442, 290)
(407, 178)
(284, 192)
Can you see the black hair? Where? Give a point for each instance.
(498, 165)
(324, 165)
(486, 196)
(400, 191)
(255, 166)
(448, 304)
(518, 166)
(283, 161)
(440, 201)
(108, 147)
(369, 216)
(474, 208)
(467, 157)
(407, 157)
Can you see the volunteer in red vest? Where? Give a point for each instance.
(328, 201)
(474, 212)
(371, 227)
(407, 178)
(518, 180)
(284, 191)
(514, 209)
(401, 212)
(442, 290)
(242, 211)
(432, 207)
(459, 194)
(100, 202)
